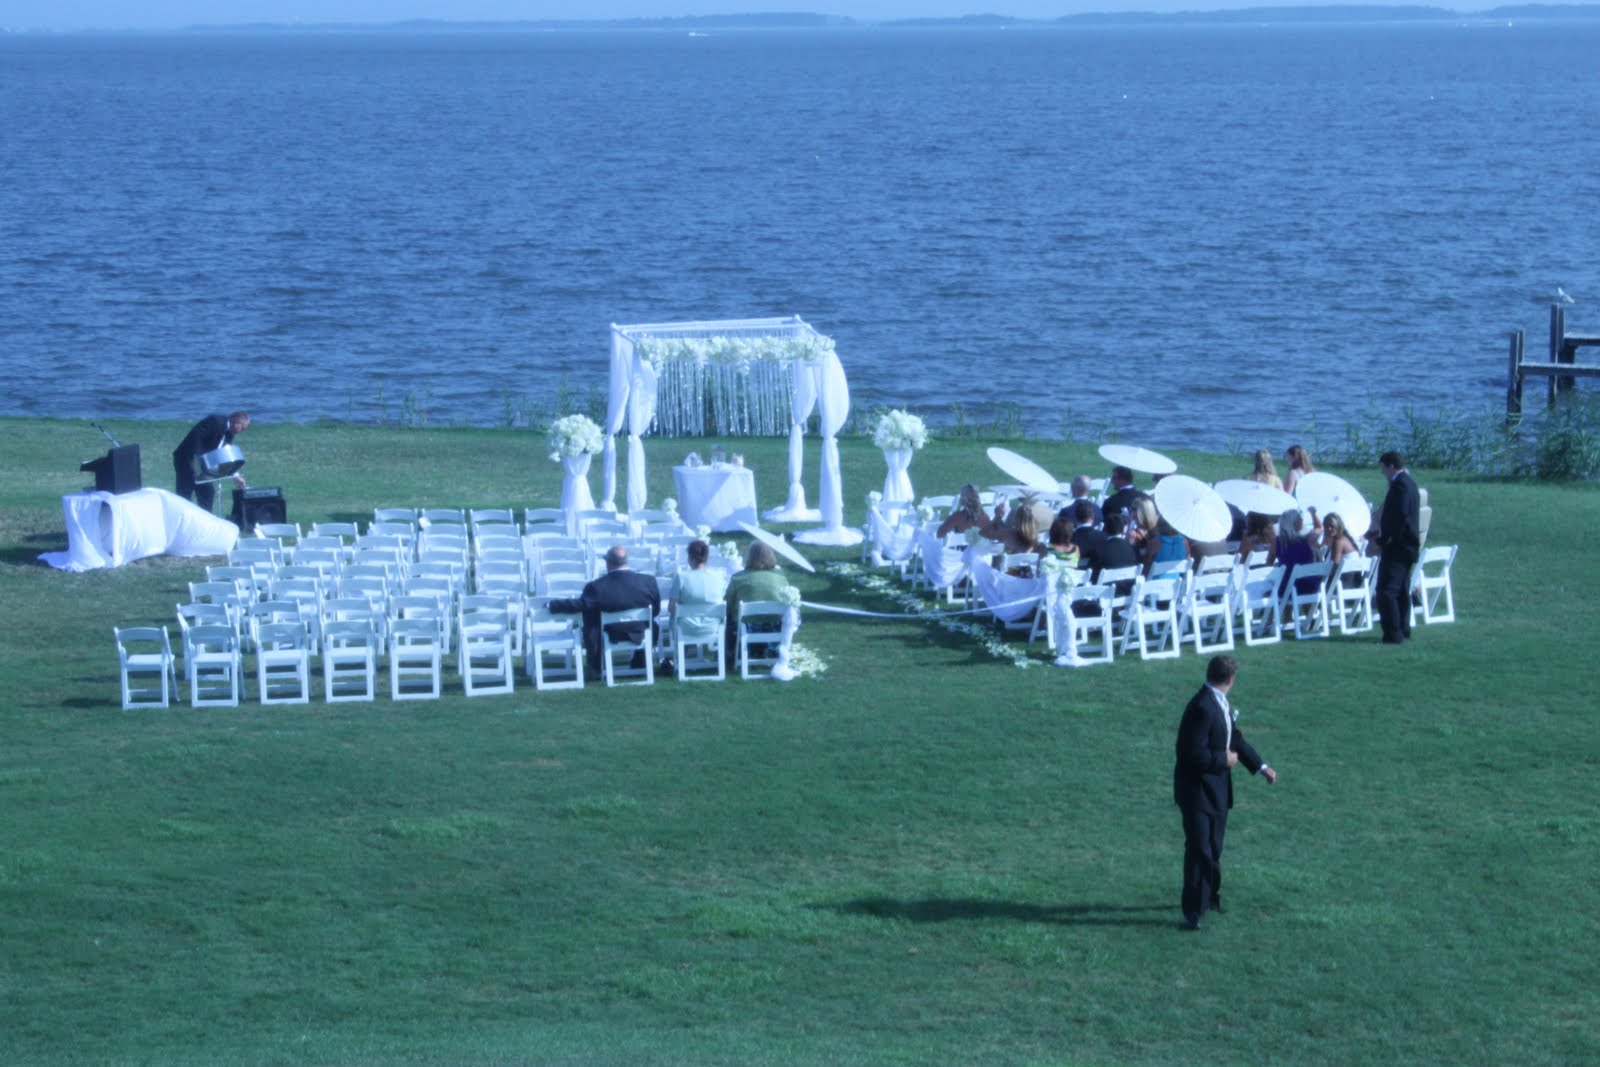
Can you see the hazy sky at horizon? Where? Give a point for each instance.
(172, 14)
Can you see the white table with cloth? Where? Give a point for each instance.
(720, 496)
(110, 529)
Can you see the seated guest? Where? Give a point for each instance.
(968, 514)
(1018, 530)
(1169, 545)
(1299, 461)
(1265, 472)
(1334, 542)
(618, 589)
(1142, 531)
(697, 584)
(1291, 549)
(1085, 535)
(1258, 535)
(1123, 494)
(1114, 552)
(1080, 495)
(760, 580)
(1061, 546)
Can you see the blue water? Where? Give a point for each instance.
(1201, 236)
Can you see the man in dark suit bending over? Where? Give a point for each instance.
(1399, 537)
(209, 434)
(618, 589)
(1209, 744)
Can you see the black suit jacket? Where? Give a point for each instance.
(1088, 541)
(618, 590)
(1201, 778)
(1121, 500)
(209, 433)
(1113, 552)
(1400, 520)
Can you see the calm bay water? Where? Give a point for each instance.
(1201, 236)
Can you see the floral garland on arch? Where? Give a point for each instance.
(734, 350)
(575, 435)
(899, 429)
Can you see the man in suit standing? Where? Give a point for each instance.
(1123, 494)
(1399, 537)
(1209, 744)
(618, 589)
(209, 434)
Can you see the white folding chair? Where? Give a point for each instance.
(1350, 594)
(1256, 605)
(1306, 611)
(146, 652)
(1207, 616)
(1432, 598)
(349, 661)
(699, 635)
(554, 646)
(1123, 582)
(283, 662)
(442, 516)
(1153, 622)
(211, 662)
(611, 647)
(483, 650)
(416, 657)
(759, 634)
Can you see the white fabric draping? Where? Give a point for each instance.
(1059, 605)
(575, 495)
(1002, 591)
(108, 530)
(720, 496)
(619, 386)
(641, 409)
(944, 566)
(897, 484)
(833, 403)
(894, 539)
(802, 400)
(791, 622)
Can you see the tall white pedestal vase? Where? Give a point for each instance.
(900, 434)
(897, 485)
(574, 440)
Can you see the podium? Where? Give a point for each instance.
(117, 471)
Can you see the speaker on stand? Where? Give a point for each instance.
(253, 506)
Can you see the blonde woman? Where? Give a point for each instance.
(1299, 461)
(1265, 472)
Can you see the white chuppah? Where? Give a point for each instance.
(734, 377)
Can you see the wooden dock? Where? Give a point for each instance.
(1561, 370)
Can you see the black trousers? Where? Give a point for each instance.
(1394, 594)
(1202, 860)
(204, 494)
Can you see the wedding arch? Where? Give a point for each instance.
(731, 377)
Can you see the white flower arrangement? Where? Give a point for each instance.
(575, 435)
(730, 551)
(874, 498)
(789, 596)
(735, 351)
(670, 506)
(804, 661)
(702, 533)
(898, 429)
(925, 514)
(1063, 578)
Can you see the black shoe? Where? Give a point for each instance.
(1216, 906)
(1189, 924)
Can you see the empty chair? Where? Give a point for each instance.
(404, 533)
(346, 532)
(1089, 609)
(699, 632)
(1207, 617)
(554, 645)
(1124, 585)
(1256, 605)
(1305, 600)
(349, 661)
(1153, 622)
(435, 516)
(603, 533)
(148, 668)
(616, 628)
(543, 518)
(211, 664)
(1350, 594)
(408, 516)
(1432, 598)
(285, 534)
(759, 634)
(1219, 561)
(492, 517)
(283, 662)
(233, 596)
(436, 607)
(251, 584)
(416, 657)
(256, 551)
(483, 650)
(326, 559)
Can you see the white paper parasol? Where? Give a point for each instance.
(1024, 470)
(778, 545)
(1137, 459)
(1257, 498)
(1193, 508)
(1329, 493)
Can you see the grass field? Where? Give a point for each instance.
(925, 855)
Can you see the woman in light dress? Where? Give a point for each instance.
(1299, 461)
(1265, 472)
(698, 584)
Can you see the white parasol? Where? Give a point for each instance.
(1257, 498)
(1193, 508)
(1137, 459)
(1329, 493)
(1024, 470)
(778, 545)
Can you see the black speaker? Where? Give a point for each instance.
(117, 471)
(254, 506)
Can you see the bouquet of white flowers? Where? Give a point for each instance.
(874, 498)
(575, 435)
(789, 596)
(730, 551)
(702, 533)
(925, 513)
(1062, 577)
(899, 429)
(670, 506)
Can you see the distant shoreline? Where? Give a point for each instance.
(1323, 14)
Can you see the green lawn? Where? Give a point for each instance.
(925, 855)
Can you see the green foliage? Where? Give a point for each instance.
(924, 856)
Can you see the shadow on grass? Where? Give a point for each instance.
(945, 909)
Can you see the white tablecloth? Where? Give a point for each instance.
(110, 529)
(720, 497)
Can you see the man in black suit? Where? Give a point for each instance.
(1080, 495)
(1113, 551)
(1123, 494)
(1399, 537)
(618, 589)
(1209, 744)
(1086, 536)
(210, 433)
